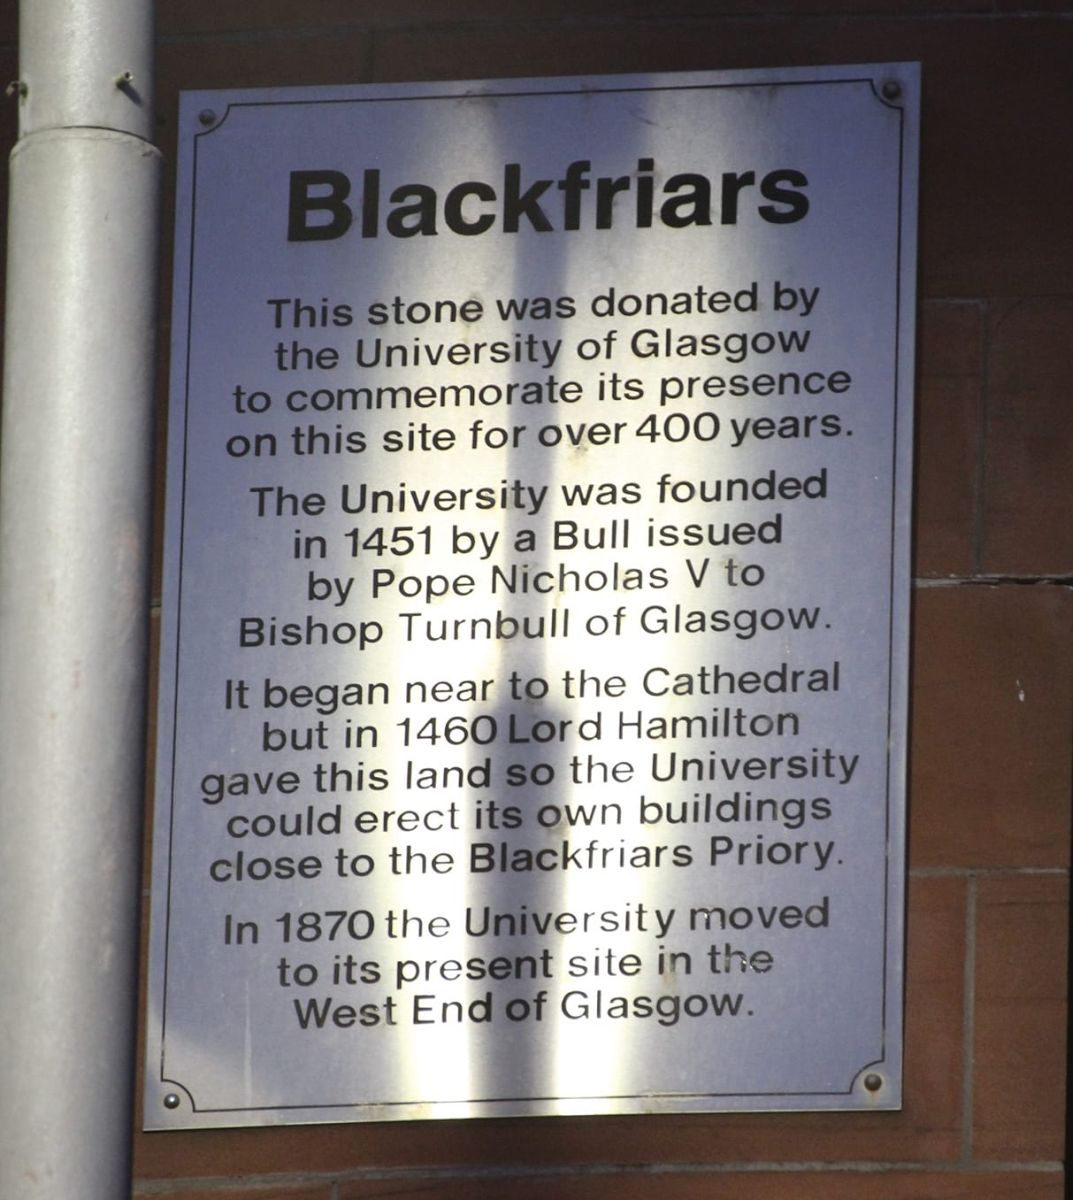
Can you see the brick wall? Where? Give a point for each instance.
(984, 1115)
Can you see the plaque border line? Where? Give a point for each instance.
(898, 544)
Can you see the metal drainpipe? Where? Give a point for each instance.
(74, 553)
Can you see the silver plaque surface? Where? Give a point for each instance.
(533, 685)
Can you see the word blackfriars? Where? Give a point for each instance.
(319, 210)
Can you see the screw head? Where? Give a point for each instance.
(171, 1100)
(892, 90)
(873, 1083)
(207, 117)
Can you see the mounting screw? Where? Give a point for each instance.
(124, 79)
(171, 1100)
(892, 90)
(207, 117)
(16, 88)
(873, 1083)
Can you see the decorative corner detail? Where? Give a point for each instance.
(890, 92)
(872, 1084)
(173, 1096)
(210, 119)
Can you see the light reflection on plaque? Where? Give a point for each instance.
(533, 675)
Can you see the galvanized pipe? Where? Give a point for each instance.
(75, 459)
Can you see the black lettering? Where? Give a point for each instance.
(732, 185)
(452, 208)
(692, 207)
(518, 204)
(770, 190)
(423, 208)
(302, 203)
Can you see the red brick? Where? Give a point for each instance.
(991, 714)
(753, 1185)
(948, 435)
(163, 359)
(1028, 509)
(234, 16)
(151, 729)
(1020, 1018)
(934, 1018)
(319, 1191)
(983, 134)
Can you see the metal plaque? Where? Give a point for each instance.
(533, 685)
